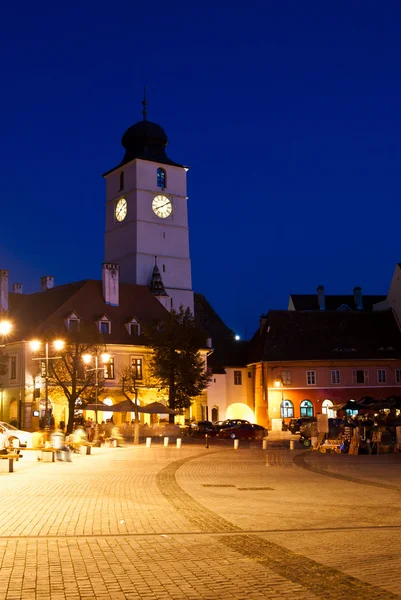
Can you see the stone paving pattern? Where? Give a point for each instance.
(196, 523)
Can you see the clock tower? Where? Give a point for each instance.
(146, 215)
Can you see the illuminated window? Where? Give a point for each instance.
(109, 369)
(286, 377)
(161, 178)
(136, 366)
(306, 408)
(286, 409)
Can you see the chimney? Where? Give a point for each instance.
(320, 297)
(358, 297)
(262, 322)
(3, 291)
(46, 283)
(17, 288)
(110, 277)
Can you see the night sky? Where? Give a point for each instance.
(287, 112)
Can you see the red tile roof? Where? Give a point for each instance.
(44, 313)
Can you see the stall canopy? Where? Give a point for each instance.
(157, 408)
(96, 406)
(154, 408)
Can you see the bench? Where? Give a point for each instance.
(10, 458)
(42, 450)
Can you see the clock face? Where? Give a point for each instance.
(121, 209)
(162, 206)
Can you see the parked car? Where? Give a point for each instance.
(15, 436)
(295, 425)
(201, 428)
(229, 423)
(243, 431)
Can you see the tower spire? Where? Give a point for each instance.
(144, 104)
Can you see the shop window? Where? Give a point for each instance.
(310, 378)
(109, 369)
(306, 408)
(286, 409)
(215, 414)
(161, 178)
(237, 377)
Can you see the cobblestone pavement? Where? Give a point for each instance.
(196, 523)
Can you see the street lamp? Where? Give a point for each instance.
(35, 346)
(5, 328)
(87, 358)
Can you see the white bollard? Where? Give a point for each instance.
(264, 445)
(267, 460)
(148, 442)
(179, 442)
(166, 441)
(236, 444)
(291, 444)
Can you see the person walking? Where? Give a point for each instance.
(38, 443)
(58, 442)
(3, 443)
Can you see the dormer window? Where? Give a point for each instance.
(121, 181)
(133, 327)
(161, 178)
(72, 322)
(104, 325)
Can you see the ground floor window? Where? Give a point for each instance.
(287, 409)
(306, 408)
(215, 414)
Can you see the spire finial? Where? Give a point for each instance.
(144, 104)
(155, 261)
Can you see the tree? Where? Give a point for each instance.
(69, 376)
(130, 384)
(176, 364)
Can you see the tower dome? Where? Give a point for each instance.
(148, 141)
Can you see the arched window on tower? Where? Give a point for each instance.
(161, 178)
(121, 180)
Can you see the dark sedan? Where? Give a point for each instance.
(243, 431)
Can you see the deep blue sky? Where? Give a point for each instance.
(288, 113)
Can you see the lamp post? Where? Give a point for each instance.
(279, 384)
(87, 358)
(35, 345)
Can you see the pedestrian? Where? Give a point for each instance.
(3, 443)
(58, 442)
(38, 443)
